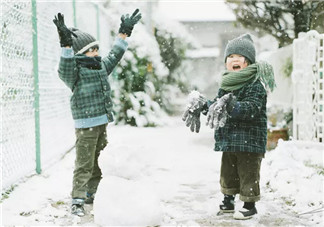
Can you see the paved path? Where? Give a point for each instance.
(183, 167)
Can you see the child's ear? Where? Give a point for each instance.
(247, 61)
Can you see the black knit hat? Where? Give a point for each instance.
(242, 45)
(83, 42)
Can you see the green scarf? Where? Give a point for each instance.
(232, 80)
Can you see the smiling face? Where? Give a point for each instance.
(236, 62)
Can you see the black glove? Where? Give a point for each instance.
(63, 31)
(192, 114)
(219, 111)
(127, 24)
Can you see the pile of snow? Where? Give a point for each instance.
(295, 173)
(124, 197)
(122, 202)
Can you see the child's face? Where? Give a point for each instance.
(92, 53)
(235, 62)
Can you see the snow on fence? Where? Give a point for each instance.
(307, 78)
(36, 123)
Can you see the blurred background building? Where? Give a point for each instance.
(211, 23)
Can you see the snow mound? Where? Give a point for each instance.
(296, 174)
(122, 161)
(121, 202)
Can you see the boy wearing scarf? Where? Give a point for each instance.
(238, 115)
(86, 74)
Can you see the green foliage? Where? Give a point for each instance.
(171, 48)
(319, 168)
(5, 195)
(141, 92)
(279, 116)
(281, 19)
(130, 85)
(288, 67)
(318, 18)
(148, 79)
(289, 201)
(173, 54)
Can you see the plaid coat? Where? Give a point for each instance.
(90, 87)
(246, 129)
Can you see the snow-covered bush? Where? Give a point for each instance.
(135, 90)
(150, 76)
(173, 41)
(287, 68)
(279, 117)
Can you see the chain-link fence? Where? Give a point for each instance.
(36, 122)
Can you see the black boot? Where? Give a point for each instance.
(247, 212)
(228, 204)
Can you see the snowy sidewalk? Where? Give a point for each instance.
(184, 170)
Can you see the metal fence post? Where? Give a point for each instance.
(36, 87)
(98, 21)
(74, 14)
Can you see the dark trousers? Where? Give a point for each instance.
(87, 174)
(240, 174)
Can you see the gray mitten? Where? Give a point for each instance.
(192, 114)
(218, 112)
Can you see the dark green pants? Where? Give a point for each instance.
(87, 174)
(240, 174)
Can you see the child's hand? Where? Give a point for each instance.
(213, 115)
(65, 34)
(192, 114)
(192, 119)
(127, 24)
(218, 112)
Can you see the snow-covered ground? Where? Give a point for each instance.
(169, 176)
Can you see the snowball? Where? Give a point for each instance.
(194, 95)
(121, 161)
(121, 202)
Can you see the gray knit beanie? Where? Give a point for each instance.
(83, 42)
(242, 45)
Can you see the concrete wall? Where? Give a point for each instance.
(283, 93)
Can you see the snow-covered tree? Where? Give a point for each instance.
(135, 92)
(151, 74)
(281, 19)
(173, 40)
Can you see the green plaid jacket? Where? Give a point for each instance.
(90, 87)
(246, 129)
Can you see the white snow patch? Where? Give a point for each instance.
(126, 203)
(173, 175)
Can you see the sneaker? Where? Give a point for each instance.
(90, 198)
(78, 209)
(245, 214)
